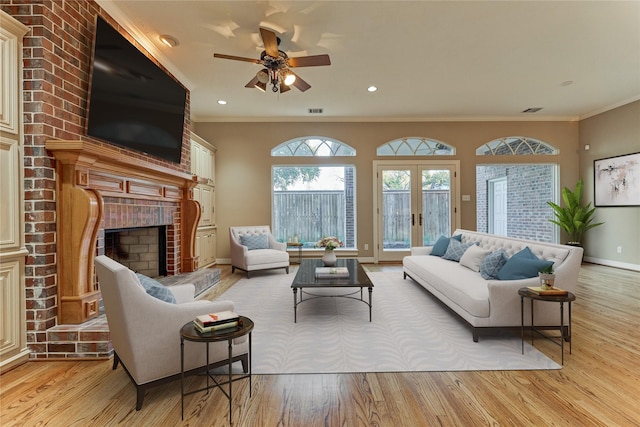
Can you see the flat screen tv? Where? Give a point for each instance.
(133, 103)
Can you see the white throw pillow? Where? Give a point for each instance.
(472, 257)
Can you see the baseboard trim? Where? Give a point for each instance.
(610, 263)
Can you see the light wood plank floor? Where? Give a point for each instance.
(599, 384)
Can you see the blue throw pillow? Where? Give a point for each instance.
(440, 248)
(255, 241)
(492, 263)
(456, 250)
(156, 289)
(522, 265)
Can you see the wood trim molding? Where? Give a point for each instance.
(87, 171)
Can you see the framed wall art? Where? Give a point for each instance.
(617, 180)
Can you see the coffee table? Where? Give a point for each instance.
(306, 279)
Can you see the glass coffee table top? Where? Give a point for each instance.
(306, 279)
(306, 275)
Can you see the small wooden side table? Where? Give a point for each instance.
(568, 298)
(189, 333)
(299, 246)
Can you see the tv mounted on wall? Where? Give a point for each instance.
(133, 103)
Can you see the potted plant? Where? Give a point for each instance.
(547, 277)
(574, 218)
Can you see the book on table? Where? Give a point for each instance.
(222, 318)
(331, 272)
(221, 326)
(538, 290)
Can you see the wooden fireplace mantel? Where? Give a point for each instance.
(87, 171)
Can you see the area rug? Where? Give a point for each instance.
(410, 331)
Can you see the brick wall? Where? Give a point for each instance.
(57, 53)
(529, 188)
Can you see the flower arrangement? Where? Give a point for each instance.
(329, 242)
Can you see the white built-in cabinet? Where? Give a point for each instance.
(13, 325)
(203, 164)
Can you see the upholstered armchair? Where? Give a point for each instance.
(254, 248)
(145, 331)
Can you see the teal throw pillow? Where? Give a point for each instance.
(456, 250)
(255, 241)
(156, 289)
(440, 248)
(492, 263)
(522, 265)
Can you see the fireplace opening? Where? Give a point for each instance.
(141, 249)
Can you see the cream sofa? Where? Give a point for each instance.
(490, 303)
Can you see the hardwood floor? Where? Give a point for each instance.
(598, 385)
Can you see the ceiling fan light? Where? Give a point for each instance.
(289, 79)
(261, 86)
(263, 76)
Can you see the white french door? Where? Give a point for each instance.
(415, 203)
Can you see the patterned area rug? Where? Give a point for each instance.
(410, 331)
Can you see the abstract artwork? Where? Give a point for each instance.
(617, 180)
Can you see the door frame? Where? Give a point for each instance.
(491, 202)
(432, 163)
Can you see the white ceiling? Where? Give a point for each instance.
(431, 60)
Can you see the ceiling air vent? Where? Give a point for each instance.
(315, 110)
(532, 110)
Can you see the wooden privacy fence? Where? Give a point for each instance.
(311, 215)
(396, 215)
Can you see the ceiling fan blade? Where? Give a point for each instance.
(309, 61)
(300, 84)
(270, 42)
(236, 58)
(284, 88)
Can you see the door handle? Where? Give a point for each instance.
(420, 220)
(413, 219)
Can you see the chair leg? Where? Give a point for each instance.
(247, 274)
(232, 269)
(116, 360)
(140, 397)
(287, 269)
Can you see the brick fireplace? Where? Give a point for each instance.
(100, 188)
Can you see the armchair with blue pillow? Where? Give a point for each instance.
(254, 248)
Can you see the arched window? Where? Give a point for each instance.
(312, 201)
(415, 146)
(312, 146)
(515, 146)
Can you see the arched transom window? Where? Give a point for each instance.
(312, 146)
(515, 146)
(415, 146)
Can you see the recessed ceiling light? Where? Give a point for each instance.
(567, 83)
(222, 102)
(532, 110)
(372, 88)
(168, 40)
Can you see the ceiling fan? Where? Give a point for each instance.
(277, 66)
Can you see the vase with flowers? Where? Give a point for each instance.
(329, 243)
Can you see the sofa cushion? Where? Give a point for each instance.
(156, 289)
(255, 241)
(440, 248)
(522, 265)
(472, 257)
(492, 263)
(455, 250)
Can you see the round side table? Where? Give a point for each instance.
(190, 333)
(561, 299)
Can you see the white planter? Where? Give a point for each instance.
(329, 258)
(547, 280)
